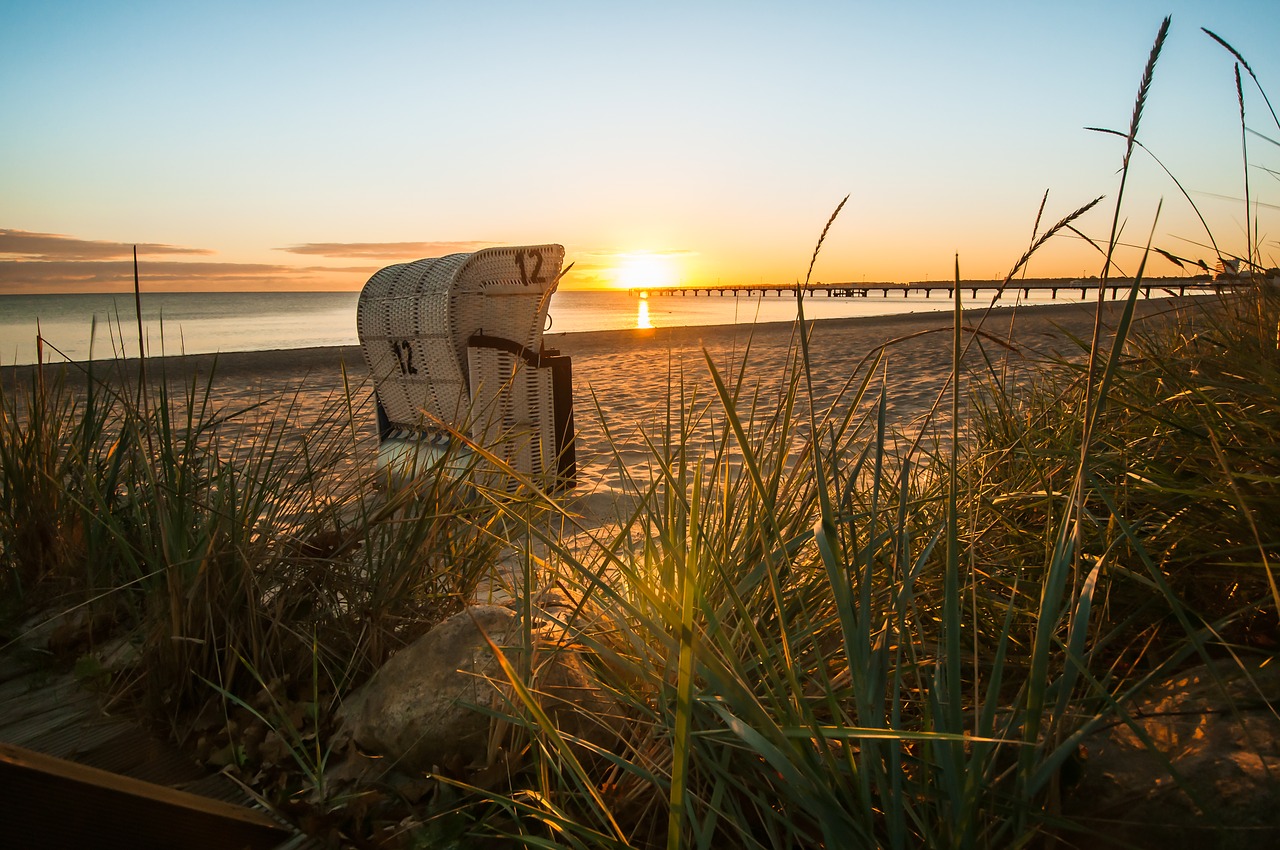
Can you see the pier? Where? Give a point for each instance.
(1083, 286)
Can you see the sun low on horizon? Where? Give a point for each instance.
(644, 270)
(719, 164)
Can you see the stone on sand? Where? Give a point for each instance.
(419, 709)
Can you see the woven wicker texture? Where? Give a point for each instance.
(512, 412)
(403, 322)
(415, 320)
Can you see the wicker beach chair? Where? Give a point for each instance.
(454, 345)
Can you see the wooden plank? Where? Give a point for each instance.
(217, 786)
(47, 802)
(15, 665)
(81, 737)
(35, 693)
(27, 728)
(140, 755)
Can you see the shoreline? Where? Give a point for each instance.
(300, 362)
(625, 382)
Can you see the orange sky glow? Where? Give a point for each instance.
(303, 147)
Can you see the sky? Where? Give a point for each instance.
(257, 146)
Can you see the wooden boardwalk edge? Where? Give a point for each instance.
(51, 802)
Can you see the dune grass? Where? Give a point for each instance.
(231, 554)
(814, 640)
(812, 631)
(817, 638)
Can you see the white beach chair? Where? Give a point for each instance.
(454, 345)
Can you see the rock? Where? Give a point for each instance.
(417, 710)
(1217, 728)
(414, 710)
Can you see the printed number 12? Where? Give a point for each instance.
(404, 356)
(527, 275)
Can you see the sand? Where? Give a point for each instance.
(623, 379)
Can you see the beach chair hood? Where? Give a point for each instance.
(456, 342)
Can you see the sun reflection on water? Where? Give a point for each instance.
(642, 314)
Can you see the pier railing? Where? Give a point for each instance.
(1172, 286)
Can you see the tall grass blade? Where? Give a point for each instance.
(1242, 61)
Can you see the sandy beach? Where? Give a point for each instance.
(623, 379)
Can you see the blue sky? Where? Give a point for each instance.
(304, 145)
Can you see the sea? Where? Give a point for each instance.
(104, 326)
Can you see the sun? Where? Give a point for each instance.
(645, 270)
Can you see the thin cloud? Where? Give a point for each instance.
(384, 250)
(49, 263)
(668, 252)
(581, 278)
(606, 260)
(19, 276)
(598, 269)
(55, 246)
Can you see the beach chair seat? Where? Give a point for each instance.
(454, 346)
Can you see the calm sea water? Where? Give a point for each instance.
(105, 326)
